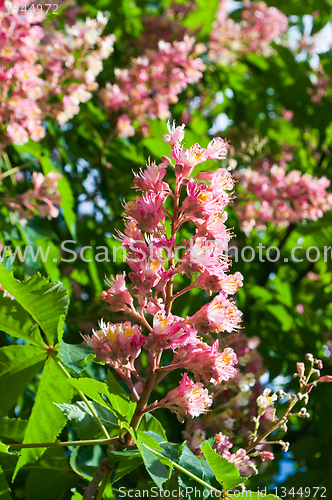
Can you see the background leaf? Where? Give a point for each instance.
(46, 420)
(4, 488)
(18, 366)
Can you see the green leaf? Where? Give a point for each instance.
(196, 466)
(74, 356)
(85, 424)
(18, 365)
(119, 399)
(46, 420)
(282, 315)
(44, 483)
(157, 470)
(15, 321)
(46, 302)
(53, 257)
(91, 388)
(84, 460)
(125, 462)
(13, 428)
(150, 423)
(226, 473)
(4, 488)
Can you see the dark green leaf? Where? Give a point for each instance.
(125, 462)
(18, 366)
(15, 321)
(44, 483)
(74, 356)
(4, 488)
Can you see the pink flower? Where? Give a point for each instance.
(325, 378)
(147, 211)
(300, 308)
(219, 315)
(217, 149)
(175, 134)
(17, 134)
(221, 443)
(267, 455)
(116, 342)
(124, 127)
(188, 400)
(207, 363)
(117, 295)
(300, 369)
(44, 199)
(168, 332)
(151, 179)
(260, 26)
(39, 64)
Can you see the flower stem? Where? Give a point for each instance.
(107, 473)
(273, 427)
(149, 384)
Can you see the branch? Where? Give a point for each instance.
(89, 442)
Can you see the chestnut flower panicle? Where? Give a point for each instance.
(152, 254)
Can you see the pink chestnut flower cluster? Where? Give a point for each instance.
(156, 28)
(150, 243)
(273, 195)
(39, 63)
(260, 25)
(151, 83)
(43, 200)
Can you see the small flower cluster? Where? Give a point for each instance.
(145, 238)
(43, 200)
(235, 401)
(156, 28)
(151, 83)
(260, 25)
(266, 421)
(45, 71)
(273, 195)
